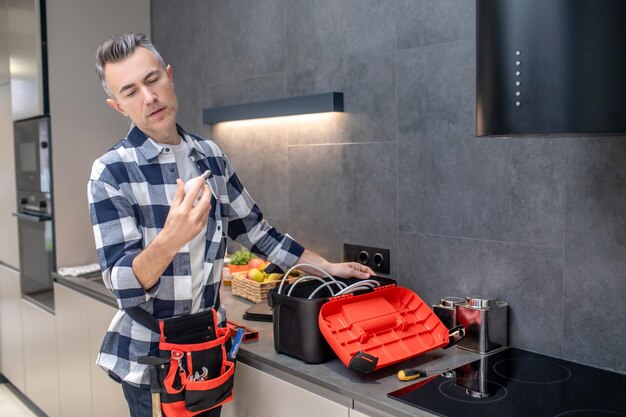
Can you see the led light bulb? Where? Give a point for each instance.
(189, 184)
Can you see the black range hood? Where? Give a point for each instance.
(550, 67)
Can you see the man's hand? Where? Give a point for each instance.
(184, 222)
(349, 270)
(340, 269)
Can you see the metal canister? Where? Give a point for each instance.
(486, 324)
(446, 310)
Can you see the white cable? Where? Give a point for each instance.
(340, 284)
(305, 278)
(370, 283)
(355, 289)
(282, 281)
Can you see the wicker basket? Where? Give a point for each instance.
(252, 290)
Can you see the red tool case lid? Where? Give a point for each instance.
(379, 328)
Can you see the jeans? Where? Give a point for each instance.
(140, 402)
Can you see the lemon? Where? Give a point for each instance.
(274, 277)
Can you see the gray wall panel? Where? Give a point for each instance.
(529, 278)
(189, 20)
(424, 22)
(348, 46)
(260, 157)
(246, 38)
(343, 193)
(595, 251)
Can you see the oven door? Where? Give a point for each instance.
(32, 149)
(36, 252)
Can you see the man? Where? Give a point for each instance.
(160, 248)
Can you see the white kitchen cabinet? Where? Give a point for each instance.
(72, 325)
(84, 389)
(25, 48)
(362, 410)
(107, 397)
(258, 394)
(40, 358)
(8, 224)
(377, 413)
(5, 76)
(9, 253)
(11, 346)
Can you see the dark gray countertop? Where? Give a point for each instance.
(91, 286)
(368, 392)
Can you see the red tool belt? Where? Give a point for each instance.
(194, 373)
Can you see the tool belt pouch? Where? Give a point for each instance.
(198, 376)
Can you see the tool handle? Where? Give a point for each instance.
(156, 405)
(236, 342)
(363, 362)
(411, 374)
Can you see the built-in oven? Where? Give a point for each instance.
(36, 242)
(34, 205)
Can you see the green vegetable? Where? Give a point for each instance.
(241, 257)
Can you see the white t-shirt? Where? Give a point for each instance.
(186, 171)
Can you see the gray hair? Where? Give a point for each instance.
(118, 48)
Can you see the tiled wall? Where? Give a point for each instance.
(538, 222)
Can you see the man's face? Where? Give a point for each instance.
(144, 91)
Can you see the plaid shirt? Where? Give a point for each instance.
(131, 188)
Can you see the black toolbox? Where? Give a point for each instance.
(296, 328)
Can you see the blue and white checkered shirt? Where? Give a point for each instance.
(131, 188)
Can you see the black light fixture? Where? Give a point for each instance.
(551, 67)
(316, 103)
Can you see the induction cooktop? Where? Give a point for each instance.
(518, 383)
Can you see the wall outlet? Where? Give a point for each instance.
(375, 258)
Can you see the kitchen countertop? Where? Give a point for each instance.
(368, 392)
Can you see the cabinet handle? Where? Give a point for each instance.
(32, 217)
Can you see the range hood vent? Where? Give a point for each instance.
(550, 67)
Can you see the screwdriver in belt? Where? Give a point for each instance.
(411, 374)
